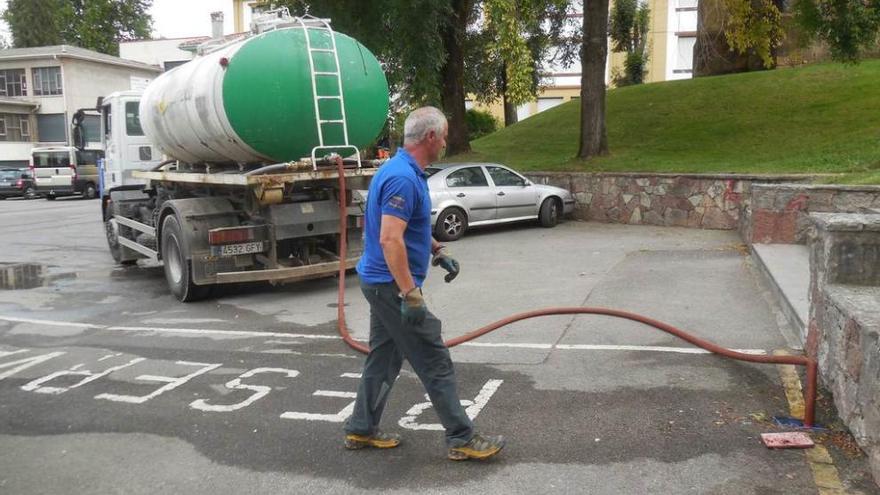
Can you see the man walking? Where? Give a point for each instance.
(397, 246)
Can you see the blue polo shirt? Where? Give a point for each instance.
(399, 188)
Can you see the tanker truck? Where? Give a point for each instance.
(226, 169)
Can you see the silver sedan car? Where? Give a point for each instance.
(466, 195)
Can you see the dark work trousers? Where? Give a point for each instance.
(392, 341)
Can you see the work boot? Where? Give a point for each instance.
(379, 440)
(479, 447)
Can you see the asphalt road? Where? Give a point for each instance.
(109, 385)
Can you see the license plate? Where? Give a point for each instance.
(237, 249)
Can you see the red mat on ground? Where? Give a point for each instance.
(788, 440)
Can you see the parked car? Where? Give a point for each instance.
(65, 170)
(465, 195)
(16, 182)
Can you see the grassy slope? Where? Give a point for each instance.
(820, 118)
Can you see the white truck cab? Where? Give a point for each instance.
(126, 147)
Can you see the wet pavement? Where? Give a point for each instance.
(109, 385)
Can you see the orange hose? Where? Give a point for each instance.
(810, 364)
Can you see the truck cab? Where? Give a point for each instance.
(126, 147)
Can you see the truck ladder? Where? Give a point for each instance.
(313, 24)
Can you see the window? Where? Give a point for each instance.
(132, 119)
(51, 128)
(51, 159)
(171, 64)
(12, 83)
(89, 157)
(47, 81)
(504, 177)
(14, 127)
(92, 128)
(467, 177)
(684, 61)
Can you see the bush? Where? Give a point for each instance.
(480, 123)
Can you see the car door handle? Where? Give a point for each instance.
(501, 193)
(461, 195)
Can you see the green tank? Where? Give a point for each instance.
(253, 101)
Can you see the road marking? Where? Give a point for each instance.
(171, 382)
(825, 474)
(259, 390)
(311, 336)
(472, 408)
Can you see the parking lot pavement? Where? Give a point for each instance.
(108, 384)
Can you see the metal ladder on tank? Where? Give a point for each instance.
(311, 23)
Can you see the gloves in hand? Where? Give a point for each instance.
(412, 307)
(447, 262)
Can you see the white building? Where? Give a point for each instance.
(42, 87)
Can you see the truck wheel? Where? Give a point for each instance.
(90, 192)
(51, 197)
(120, 253)
(178, 271)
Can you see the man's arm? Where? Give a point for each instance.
(394, 250)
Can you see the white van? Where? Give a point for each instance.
(65, 170)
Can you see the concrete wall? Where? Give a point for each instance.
(154, 52)
(844, 324)
(85, 81)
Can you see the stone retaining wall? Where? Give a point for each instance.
(680, 200)
(779, 213)
(844, 324)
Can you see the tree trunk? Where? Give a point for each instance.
(452, 79)
(594, 53)
(510, 116)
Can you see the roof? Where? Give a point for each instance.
(192, 44)
(70, 51)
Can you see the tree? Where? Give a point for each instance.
(847, 26)
(594, 54)
(628, 31)
(506, 52)
(101, 24)
(34, 22)
(94, 24)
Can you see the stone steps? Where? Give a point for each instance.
(787, 270)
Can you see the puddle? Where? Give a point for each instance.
(15, 276)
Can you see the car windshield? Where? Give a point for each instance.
(10, 174)
(432, 170)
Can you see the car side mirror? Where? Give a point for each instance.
(527, 184)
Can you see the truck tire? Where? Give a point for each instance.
(121, 254)
(178, 270)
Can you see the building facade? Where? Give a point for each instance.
(42, 87)
(671, 38)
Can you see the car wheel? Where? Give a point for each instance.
(178, 270)
(90, 192)
(119, 252)
(549, 214)
(451, 224)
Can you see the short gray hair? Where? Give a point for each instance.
(421, 122)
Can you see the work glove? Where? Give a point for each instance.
(447, 262)
(412, 307)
